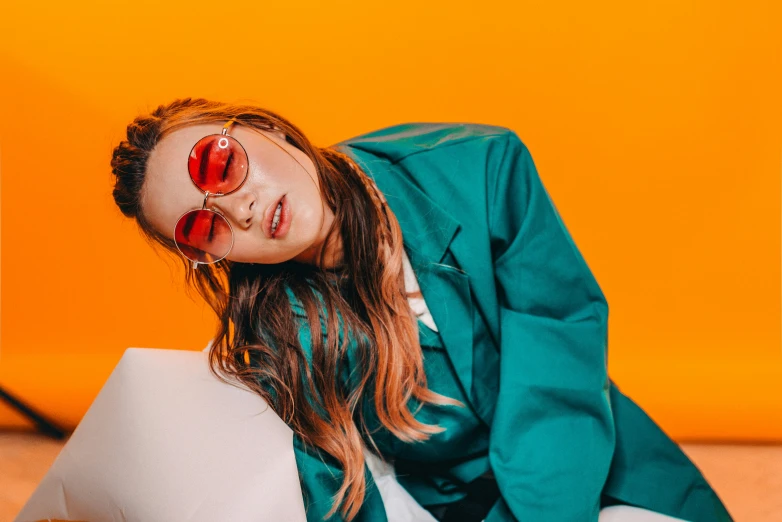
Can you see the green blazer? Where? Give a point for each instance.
(523, 331)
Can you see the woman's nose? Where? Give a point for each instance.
(241, 207)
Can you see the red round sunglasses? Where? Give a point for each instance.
(217, 165)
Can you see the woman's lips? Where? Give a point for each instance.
(268, 217)
(285, 219)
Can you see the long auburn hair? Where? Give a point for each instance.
(257, 338)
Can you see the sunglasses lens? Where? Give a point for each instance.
(204, 236)
(218, 164)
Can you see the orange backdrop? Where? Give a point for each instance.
(655, 127)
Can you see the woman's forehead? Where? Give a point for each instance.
(181, 141)
(169, 191)
(175, 147)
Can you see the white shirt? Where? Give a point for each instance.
(416, 303)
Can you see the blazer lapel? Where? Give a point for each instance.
(430, 234)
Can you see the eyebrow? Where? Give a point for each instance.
(204, 165)
(188, 225)
(204, 162)
(189, 222)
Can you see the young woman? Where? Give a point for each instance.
(407, 298)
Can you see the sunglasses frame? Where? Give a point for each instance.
(207, 194)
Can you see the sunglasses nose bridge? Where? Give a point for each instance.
(206, 197)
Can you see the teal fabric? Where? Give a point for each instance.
(523, 334)
(420, 467)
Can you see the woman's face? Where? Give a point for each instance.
(272, 172)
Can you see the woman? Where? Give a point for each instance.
(487, 391)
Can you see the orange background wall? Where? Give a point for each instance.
(656, 129)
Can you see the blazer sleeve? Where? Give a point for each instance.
(320, 475)
(552, 435)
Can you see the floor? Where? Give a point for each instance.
(748, 478)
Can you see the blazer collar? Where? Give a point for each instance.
(430, 235)
(427, 228)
